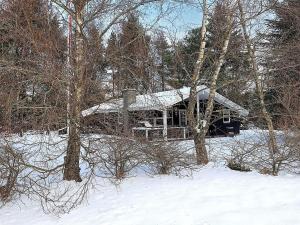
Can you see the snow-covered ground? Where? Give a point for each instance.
(213, 195)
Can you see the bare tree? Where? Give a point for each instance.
(200, 126)
(83, 12)
(30, 65)
(201, 152)
(256, 76)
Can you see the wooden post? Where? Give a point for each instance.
(165, 122)
(198, 110)
(147, 134)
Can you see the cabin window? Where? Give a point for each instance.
(182, 118)
(159, 122)
(226, 116)
(170, 113)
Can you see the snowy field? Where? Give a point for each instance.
(213, 195)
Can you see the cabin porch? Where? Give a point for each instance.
(172, 123)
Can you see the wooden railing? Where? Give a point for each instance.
(156, 133)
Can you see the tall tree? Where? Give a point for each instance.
(234, 71)
(95, 67)
(187, 54)
(31, 63)
(163, 59)
(201, 152)
(283, 62)
(200, 125)
(83, 13)
(112, 55)
(273, 147)
(134, 45)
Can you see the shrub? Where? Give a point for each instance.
(166, 158)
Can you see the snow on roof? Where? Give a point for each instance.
(162, 100)
(231, 105)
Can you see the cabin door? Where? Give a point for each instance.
(182, 118)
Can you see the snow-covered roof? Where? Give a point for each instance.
(162, 100)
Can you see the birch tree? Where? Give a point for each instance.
(201, 152)
(200, 126)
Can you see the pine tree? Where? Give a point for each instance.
(187, 51)
(284, 40)
(164, 60)
(113, 59)
(135, 62)
(94, 68)
(284, 62)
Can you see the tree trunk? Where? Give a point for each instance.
(200, 128)
(72, 169)
(201, 153)
(213, 85)
(259, 88)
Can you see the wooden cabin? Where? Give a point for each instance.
(162, 115)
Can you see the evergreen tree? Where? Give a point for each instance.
(135, 60)
(189, 51)
(234, 74)
(164, 60)
(112, 56)
(95, 67)
(283, 40)
(95, 53)
(284, 62)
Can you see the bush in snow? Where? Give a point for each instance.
(10, 169)
(113, 156)
(240, 155)
(166, 158)
(254, 153)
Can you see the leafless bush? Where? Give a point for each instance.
(240, 155)
(288, 158)
(31, 168)
(285, 159)
(112, 156)
(167, 158)
(115, 157)
(238, 160)
(10, 168)
(254, 154)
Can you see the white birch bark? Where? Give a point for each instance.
(201, 153)
(200, 129)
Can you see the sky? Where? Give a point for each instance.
(176, 20)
